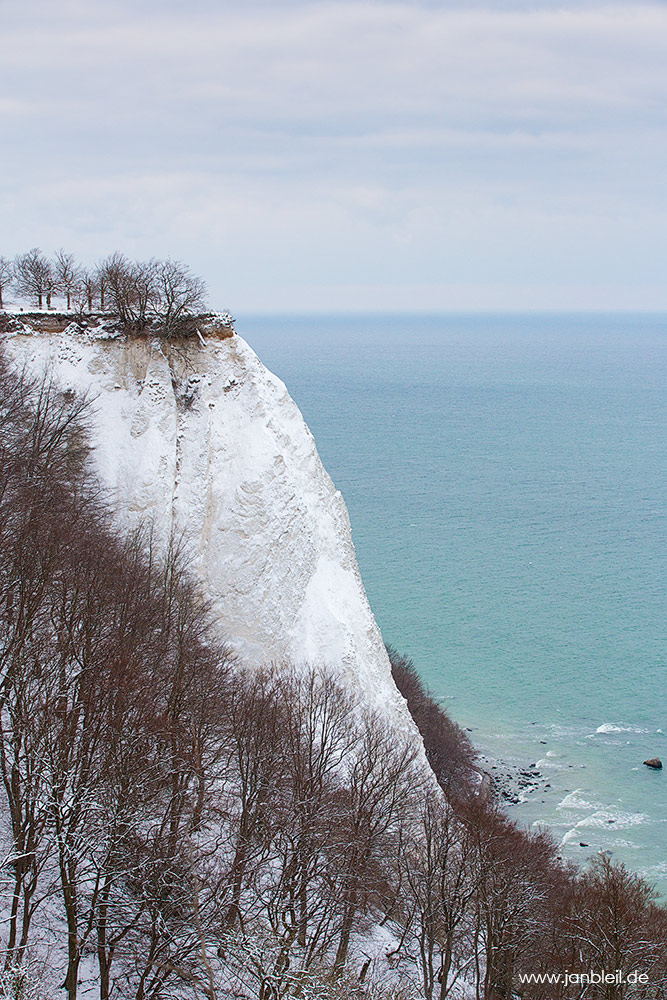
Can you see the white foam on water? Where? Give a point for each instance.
(609, 727)
(557, 730)
(572, 834)
(575, 801)
(602, 819)
(655, 870)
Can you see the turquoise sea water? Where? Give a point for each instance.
(506, 483)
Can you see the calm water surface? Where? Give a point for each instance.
(505, 478)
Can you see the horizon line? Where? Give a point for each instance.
(438, 313)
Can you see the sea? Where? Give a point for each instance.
(506, 480)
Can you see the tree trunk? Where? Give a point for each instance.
(499, 974)
(13, 921)
(444, 970)
(236, 873)
(303, 910)
(103, 953)
(73, 952)
(344, 941)
(72, 977)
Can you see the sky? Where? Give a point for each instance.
(346, 157)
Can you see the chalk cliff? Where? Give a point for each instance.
(200, 439)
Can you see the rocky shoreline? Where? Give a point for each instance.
(510, 783)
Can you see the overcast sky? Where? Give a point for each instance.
(341, 156)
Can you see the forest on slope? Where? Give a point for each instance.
(174, 825)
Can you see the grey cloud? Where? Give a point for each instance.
(382, 125)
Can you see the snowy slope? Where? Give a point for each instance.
(206, 443)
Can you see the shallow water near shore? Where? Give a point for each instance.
(505, 478)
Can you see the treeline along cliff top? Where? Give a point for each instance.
(160, 297)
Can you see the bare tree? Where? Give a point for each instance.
(6, 276)
(88, 289)
(23, 738)
(320, 738)
(256, 726)
(175, 880)
(381, 787)
(610, 927)
(177, 293)
(441, 878)
(300, 891)
(34, 276)
(67, 274)
(129, 288)
(114, 276)
(100, 279)
(448, 749)
(514, 882)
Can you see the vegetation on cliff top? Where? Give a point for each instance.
(162, 297)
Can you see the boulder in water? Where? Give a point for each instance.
(655, 763)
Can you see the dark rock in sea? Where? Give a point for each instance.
(582, 844)
(543, 742)
(654, 763)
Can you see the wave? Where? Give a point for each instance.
(620, 820)
(609, 727)
(574, 801)
(605, 819)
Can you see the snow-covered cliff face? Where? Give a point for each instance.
(204, 442)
